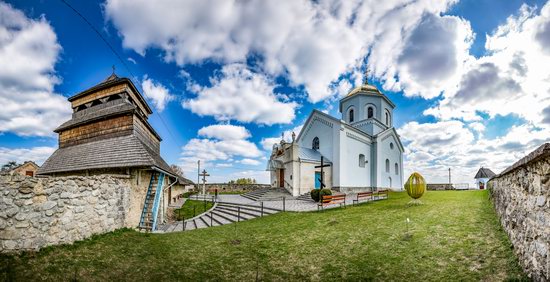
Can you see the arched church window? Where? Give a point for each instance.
(351, 115)
(315, 143)
(370, 112)
(387, 119)
(396, 169)
(361, 160)
(387, 165)
(391, 145)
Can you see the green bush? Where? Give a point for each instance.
(314, 195)
(324, 192)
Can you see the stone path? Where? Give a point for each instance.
(220, 214)
(230, 208)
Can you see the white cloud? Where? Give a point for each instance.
(250, 162)
(432, 56)
(157, 93)
(433, 148)
(28, 53)
(224, 132)
(512, 79)
(20, 155)
(239, 94)
(311, 43)
(224, 147)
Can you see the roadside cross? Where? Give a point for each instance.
(204, 174)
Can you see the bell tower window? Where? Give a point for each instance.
(351, 115)
(370, 112)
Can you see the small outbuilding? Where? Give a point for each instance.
(482, 177)
(27, 168)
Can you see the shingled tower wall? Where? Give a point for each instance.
(109, 133)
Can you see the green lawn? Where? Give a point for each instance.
(192, 208)
(455, 236)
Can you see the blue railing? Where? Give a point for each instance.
(157, 200)
(146, 202)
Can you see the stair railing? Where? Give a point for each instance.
(145, 203)
(157, 200)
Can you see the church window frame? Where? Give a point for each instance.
(351, 115)
(370, 110)
(387, 165)
(396, 166)
(391, 145)
(315, 143)
(388, 118)
(361, 160)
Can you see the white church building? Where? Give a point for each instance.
(363, 150)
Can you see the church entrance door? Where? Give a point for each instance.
(282, 177)
(317, 180)
(481, 185)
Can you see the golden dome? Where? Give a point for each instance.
(363, 88)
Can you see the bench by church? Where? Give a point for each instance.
(362, 196)
(329, 200)
(382, 192)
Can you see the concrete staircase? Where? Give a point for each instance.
(221, 214)
(267, 194)
(305, 197)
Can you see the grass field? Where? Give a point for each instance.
(455, 235)
(191, 208)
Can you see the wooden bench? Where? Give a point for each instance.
(382, 192)
(332, 199)
(363, 195)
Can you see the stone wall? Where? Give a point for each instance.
(37, 212)
(225, 187)
(521, 195)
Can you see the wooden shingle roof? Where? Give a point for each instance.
(119, 152)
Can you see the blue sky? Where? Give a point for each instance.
(468, 77)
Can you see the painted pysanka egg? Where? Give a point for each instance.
(415, 185)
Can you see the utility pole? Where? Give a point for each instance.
(450, 186)
(198, 174)
(204, 174)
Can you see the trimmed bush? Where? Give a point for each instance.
(314, 195)
(324, 192)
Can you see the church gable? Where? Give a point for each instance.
(391, 133)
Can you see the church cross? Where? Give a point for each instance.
(322, 174)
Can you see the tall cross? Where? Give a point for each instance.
(204, 174)
(322, 179)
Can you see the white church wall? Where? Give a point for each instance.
(385, 152)
(352, 175)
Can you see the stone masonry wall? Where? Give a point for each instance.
(38, 212)
(521, 195)
(225, 187)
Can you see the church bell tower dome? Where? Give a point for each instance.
(367, 108)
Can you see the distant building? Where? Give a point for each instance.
(362, 148)
(109, 133)
(482, 177)
(27, 168)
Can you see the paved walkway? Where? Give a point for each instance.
(230, 208)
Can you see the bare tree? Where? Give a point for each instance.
(177, 170)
